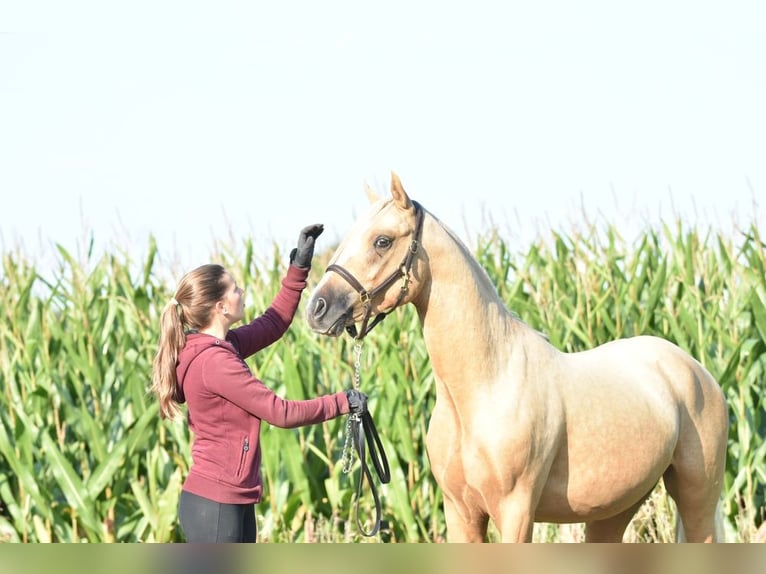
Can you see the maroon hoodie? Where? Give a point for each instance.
(226, 403)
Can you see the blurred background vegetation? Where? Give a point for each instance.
(85, 457)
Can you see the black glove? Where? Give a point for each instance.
(301, 255)
(357, 401)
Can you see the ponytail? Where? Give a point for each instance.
(164, 379)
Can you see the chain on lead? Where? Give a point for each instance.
(357, 365)
(347, 459)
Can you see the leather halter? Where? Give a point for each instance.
(402, 272)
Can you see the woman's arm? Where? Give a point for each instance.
(226, 375)
(269, 327)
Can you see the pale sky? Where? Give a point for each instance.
(194, 121)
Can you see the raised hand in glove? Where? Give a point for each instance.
(301, 255)
(357, 401)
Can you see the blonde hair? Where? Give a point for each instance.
(191, 308)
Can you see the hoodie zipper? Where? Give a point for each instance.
(243, 456)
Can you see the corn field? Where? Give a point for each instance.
(84, 456)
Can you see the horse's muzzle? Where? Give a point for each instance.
(324, 320)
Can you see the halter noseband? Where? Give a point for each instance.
(402, 272)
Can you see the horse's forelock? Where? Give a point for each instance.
(363, 226)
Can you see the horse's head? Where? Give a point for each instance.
(374, 269)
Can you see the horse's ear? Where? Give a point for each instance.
(371, 194)
(401, 199)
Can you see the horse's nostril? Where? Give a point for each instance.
(320, 308)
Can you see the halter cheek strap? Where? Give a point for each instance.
(402, 272)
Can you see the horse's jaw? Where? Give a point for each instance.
(334, 330)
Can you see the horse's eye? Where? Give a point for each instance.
(382, 242)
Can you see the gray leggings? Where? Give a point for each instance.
(206, 521)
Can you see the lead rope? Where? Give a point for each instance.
(359, 427)
(348, 454)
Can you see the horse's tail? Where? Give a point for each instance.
(719, 531)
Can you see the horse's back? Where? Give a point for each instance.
(650, 363)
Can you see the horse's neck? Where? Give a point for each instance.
(468, 330)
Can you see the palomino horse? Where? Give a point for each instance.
(521, 432)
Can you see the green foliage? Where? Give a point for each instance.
(85, 457)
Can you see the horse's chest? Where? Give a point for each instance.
(459, 466)
(460, 482)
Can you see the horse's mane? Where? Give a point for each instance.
(482, 278)
(479, 273)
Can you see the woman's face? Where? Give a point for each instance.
(233, 301)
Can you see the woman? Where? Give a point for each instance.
(200, 362)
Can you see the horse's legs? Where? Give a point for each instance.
(697, 503)
(460, 529)
(516, 520)
(611, 529)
